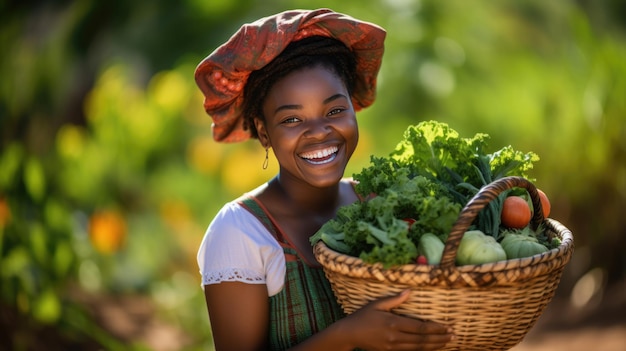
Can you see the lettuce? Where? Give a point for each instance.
(434, 150)
(376, 230)
(430, 175)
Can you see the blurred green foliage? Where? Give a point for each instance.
(109, 175)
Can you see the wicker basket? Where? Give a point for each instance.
(490, 306)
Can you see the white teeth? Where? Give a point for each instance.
(320, 153)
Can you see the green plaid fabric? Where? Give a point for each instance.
(306, 304)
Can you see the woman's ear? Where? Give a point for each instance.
(259, 124)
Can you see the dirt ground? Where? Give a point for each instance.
(611, 338)
(599, 328)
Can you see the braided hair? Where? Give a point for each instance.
(327, 52)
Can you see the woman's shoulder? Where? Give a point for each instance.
(234, 214)
(235, 231)
(232, 210)
(237, 247)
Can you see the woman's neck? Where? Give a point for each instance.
(306, 198)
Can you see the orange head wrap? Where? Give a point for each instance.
(223, 74)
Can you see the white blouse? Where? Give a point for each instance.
(238, 248)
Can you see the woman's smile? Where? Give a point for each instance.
(320, 157)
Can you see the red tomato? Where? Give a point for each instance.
(545, 203)
(409, 221)
(515, 212)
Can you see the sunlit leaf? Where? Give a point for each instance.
(170, 91)
(15, 262)
(38, 243)
(47, 307)
(10, 160)
(89, 275)
(70, 141)
(57, 215)
(63, 258)
(35, 179)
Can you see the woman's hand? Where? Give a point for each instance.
(375, 327)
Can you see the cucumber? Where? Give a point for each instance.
(431, 247)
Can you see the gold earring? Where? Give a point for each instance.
(266, 161)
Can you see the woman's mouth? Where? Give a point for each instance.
(320, 157)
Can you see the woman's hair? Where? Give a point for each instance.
(306, 53)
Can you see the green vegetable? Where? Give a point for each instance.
(478, 248)
(332, 235)
(429, 176)
(374, 230)
(431, 247)
(520, 244)
(462, 165)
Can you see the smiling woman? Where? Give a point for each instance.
(294, 82)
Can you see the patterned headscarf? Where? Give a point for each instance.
(223, 74)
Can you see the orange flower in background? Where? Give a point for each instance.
(107, 231)
(5, 212)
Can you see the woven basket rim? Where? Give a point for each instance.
(355, 267)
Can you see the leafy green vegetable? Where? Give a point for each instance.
(375, 231)
(434, 150)
(430, 149)
(428, 178)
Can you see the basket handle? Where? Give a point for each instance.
(485, 195)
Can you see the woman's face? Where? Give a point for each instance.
(311, 125)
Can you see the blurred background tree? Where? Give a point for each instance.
(109, 175)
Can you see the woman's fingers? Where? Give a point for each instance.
(389, 303)
(428, 327)
(406, 323)
(383, 329)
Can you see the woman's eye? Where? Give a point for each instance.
(290, 120)
(335, 111)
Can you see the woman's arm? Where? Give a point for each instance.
(239, 315)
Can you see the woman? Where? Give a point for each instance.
(293, 81)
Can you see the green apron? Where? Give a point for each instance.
(306, 304)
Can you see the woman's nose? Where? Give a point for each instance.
(318, 128)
